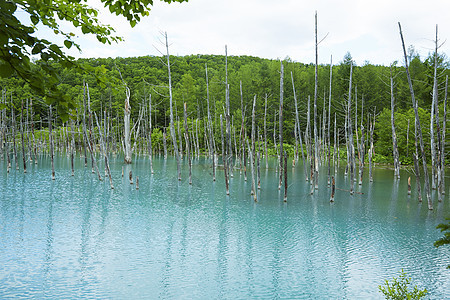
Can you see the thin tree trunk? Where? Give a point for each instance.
(50, 135)
(350, 134)
(444, 123)
(371, 150)
(72, 147)
(224, 158)
(172, 125)
(13, 116)
(250, 155)
(186, 136)
(24, 158)
(127, 127)
(438, 152)
(229, 147)
(394, 135)
(165, 143)
(298, 129)
(316, 139)
(150, 148)
(105, 154)
(285, 176)
(281, 123)
(265, 133)
(419, 129)
(329, 122)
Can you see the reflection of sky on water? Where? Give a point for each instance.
(75, 237)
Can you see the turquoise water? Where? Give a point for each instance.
(76, 238)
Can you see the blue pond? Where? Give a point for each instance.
(76, 238)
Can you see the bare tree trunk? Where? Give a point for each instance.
(24, 156)
(253, 149)
(281, 123)
(298, 129)
(127, 127)
(350, 134)
(186, 136)
(444, 123)
(50, 135)
(150, 149)
(224, 158)
(265, 133)
(13, 116)
(438, 153)
(258, 159)
(419, 129)
(105, 154)
(416, 166)
(72, 147)
(285, 176)
(394, 135)
(316, 139)
(308, 132)
(229, 147)
(252, 168)
(165, 143)
(333, 188)
(329, 122)
(371, 150)
(172, 125)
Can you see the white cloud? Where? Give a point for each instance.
(276, 29)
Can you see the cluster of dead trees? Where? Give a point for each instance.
(317, 144)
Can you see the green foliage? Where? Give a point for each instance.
(445, 240)
(405, 138)
(398, 289)
(18, 41)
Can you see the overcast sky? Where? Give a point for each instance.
(279, 28)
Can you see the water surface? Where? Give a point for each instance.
(76, 238)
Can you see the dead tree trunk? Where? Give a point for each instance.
(394, 134)
(186, 136)
(438, 153)
(50, 135)
(316, 138)
(24, 156)
(224, 158)
(13, 116)
(329, 122)
(371, 149)
(229, 147)
(150, 148)
(298, 129)
(105, 154)
(417, 122)
(252, 169)
(281, 124)
(72, 147)
(127, 127)
(285, 176)
(444, 123)
(265, 133)
(172, 124)
(351, 147)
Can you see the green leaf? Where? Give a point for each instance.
(6, 70)
(68, 44)
(133, 23)
(37, 49)
(3, 106)
(34, 19)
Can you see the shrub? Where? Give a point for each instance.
(398, 289)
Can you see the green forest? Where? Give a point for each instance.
(248, 77)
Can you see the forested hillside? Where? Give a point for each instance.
(247, 77)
